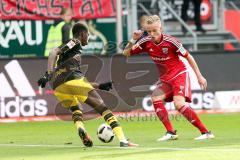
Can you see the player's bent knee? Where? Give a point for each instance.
(179, 101)
(178, 104)
(101, 108)
(157, 98)
(158, 95)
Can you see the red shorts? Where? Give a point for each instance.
(177, 86)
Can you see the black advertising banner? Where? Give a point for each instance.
(133, 80)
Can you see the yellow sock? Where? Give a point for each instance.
(113, 123)
(119, 133)
(79, 124)
(77, 118)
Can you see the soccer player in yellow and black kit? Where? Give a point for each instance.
(71, 87)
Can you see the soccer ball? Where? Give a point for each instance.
(105, 133)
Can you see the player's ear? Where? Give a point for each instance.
(80, 36)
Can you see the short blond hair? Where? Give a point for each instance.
(152, 19)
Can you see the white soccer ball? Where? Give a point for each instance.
(105, 133)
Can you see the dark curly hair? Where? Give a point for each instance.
(79, 28)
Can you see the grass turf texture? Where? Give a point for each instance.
(58, 140)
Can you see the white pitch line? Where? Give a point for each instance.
(39, 145)
(174, 148)
(115, 147)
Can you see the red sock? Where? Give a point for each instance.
(193, 118)
(163, 115)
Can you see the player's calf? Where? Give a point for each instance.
(77, 118)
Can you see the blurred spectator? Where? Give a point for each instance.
(197, 18)
(142, 22)
(66, 15)
(60, 31)
(150, 5)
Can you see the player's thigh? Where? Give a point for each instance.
(162, 91)
(78, 88)
(96, 102)
(94, 98)
(158, 94)
(66, 100)
(182, 87)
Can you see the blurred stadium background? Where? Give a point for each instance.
(41, 128)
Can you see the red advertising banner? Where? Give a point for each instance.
(232, 24)
(51, 9)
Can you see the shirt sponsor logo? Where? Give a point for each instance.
(165, 50)
(71, 44)
(160, 58)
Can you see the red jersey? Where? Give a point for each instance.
(165, 55)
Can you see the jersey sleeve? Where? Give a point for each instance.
(178, 47)
(69, 45)
(141, 43)
(137, 50)
(182, 51)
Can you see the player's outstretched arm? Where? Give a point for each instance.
(42, 81)
(135, 36)
(52, 58)
(201, 80)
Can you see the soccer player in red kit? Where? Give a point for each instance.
(174, 84)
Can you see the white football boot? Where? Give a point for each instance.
(128, 144)
(204, 136)
(168, 136)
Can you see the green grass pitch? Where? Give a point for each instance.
(58, 141)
